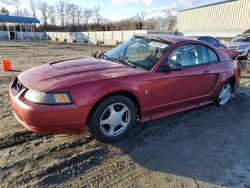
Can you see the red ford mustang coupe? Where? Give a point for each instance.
(148, 77)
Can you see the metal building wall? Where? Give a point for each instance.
(219, 20)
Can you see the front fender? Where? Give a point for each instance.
(88, 95)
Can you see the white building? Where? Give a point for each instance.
(225, 19)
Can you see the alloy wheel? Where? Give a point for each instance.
(115, 119)
(225, 94)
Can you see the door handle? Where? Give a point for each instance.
(206, 72)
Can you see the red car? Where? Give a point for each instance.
(146, 78)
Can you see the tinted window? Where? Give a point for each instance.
(212, 56)
(192, 55)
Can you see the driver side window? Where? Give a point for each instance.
(191, 55)
(186, 55)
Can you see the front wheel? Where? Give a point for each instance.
(224, 94)
(112, 119)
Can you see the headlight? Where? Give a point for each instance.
(48, 98)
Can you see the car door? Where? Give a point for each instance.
(175, 91)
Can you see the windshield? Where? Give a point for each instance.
(140, 52)
(241, 39)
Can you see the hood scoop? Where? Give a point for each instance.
(62, 61)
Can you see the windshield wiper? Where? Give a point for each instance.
(121, 61)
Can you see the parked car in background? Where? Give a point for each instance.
(242, 44)
(145, 78)
(233, 54)
(211, 40)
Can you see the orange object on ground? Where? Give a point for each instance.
(6, 63)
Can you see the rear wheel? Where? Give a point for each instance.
(112, 119)
(224, 94)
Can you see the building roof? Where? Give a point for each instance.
(18, 19)
(212, 4)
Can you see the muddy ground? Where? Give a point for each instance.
(205, 147)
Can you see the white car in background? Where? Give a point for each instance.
(241, 43)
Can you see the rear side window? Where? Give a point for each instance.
(192, 55)
(212, 56)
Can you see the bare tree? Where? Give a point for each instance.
(44, 8)
(60, 7)
(67, 13)
(141, 18)
(33, 7)
(17, 5)
(72, 13)
(78, 14)
(87, 13)
(24, 12)
(52, 16)
(97, 16)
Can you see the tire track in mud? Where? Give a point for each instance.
(64, 153)
(19, 138)
(116, 171)
(66, 168)
(7, 79)
(56, 149)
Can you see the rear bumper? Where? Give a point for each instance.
(51, 119)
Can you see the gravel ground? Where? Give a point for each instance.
(205, 147)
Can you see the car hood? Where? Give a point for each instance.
(66, 73)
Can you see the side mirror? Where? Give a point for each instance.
(172, 67)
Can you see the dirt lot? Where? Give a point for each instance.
(206, 147)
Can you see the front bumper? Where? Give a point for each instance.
(51, 119)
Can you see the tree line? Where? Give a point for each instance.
(70, 17)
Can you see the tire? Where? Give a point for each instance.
(112, 119)
(224, 94)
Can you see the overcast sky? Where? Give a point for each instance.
(119, 9)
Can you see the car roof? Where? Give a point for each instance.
(196, 37)
(164, 37)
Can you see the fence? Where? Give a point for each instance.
(94, 37)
